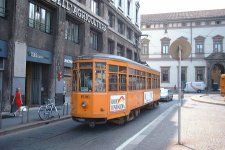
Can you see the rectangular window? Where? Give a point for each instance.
(129, 54)
(113, 68)
(165, 49)
(2, 8)
(129, 33)
(72, 32)
(122, 82)
(120, 3)
(113, 82)
(144, 49)
(100, 81)
(94, 40)
(120, 27)
(111, 19)
(136, 38)
(199, 73)
(39, 18)
(95, 7)
(86, 80)
(217, 47)
(74, 80)
(149, 81)
(199, 48)
(111, 46)
(136, 15)
(128, 7)
(165, 74)
(120, 50)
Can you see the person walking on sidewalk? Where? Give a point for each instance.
(18, 100)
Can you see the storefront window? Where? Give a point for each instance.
(2, 8)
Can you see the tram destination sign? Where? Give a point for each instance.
(80, 13)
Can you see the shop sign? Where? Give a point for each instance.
(40, 56)
(117, 102)
(68, 60)
(81, 13)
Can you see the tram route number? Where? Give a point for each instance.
(84, 96)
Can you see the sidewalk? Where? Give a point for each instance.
(210, 98)
(12, 124)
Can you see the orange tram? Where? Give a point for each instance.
(111, 88)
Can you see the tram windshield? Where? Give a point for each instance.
(85, 80)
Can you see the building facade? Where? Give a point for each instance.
(39, 38)
(204, 30)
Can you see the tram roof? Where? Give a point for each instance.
(112, 57)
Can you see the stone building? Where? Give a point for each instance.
(39, 38)
(204, 30)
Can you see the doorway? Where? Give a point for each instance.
(216, 72)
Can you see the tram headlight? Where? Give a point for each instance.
(84, 104)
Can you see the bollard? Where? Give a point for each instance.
(63, 109)
(28, 114)
(67, 106)
(22, 110)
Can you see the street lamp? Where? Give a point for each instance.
(179, 50)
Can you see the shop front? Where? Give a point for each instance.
(3, 56)
(37, 76)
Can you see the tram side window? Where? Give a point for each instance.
(100, 81)
(134, 82)
(122, 83)
(122, 78)
(74, 80)
(113, 82)
(85, 80)
(130, 82)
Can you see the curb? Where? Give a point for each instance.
(30, 125)
(197, 100)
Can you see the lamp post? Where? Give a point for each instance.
(179, 50)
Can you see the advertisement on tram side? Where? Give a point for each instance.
(148, 97)
(117, 103)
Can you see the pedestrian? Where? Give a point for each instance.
(18, 101)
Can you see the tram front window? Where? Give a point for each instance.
(85, 80)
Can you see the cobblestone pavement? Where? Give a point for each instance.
(202, 126)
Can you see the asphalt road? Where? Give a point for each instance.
(71, 135)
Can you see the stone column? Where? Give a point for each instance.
(57, 68)
(85, 38)
(17, 48)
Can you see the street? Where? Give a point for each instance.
(72, 135)
(161, 131)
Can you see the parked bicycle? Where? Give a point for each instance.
(48, 110)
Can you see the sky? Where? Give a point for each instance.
(165, 6)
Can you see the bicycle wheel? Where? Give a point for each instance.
(43, 113)
(55, 112)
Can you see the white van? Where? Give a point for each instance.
(194, 87)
